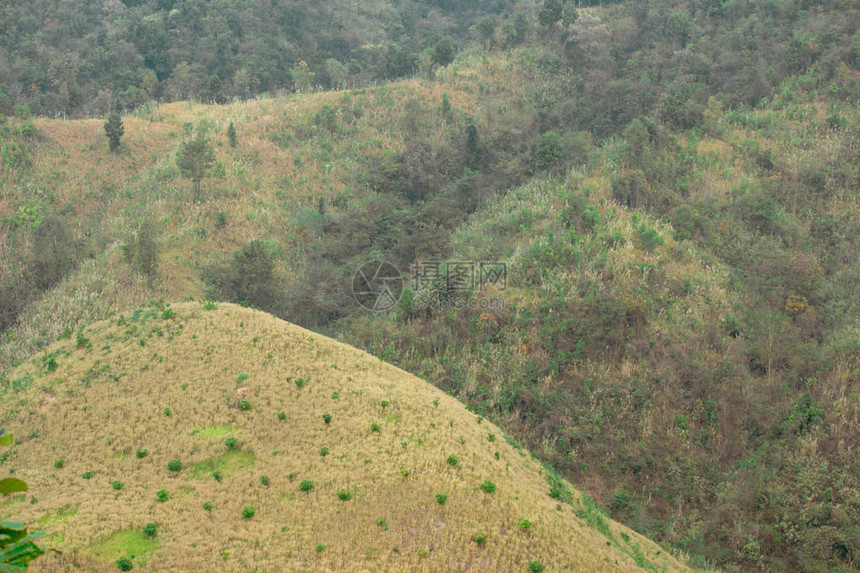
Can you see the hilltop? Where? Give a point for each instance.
(355, 453)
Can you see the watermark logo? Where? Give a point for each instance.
(378, 286)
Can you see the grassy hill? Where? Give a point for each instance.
(102, 416)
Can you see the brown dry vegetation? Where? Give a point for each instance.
(107, 400)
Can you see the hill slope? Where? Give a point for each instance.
(96, 399)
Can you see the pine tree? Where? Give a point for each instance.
(114, 131)
(231, 135)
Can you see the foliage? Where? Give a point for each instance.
(194, 159)
(114, 131)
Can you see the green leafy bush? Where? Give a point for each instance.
(306, 485)
(375, 428)
(282, 416)
(231, 443)
(208, 505)
(248, 512)
(162, 495)
(536, 567)
(141, 453)
(174, 465)
(324, 451)
(124, 564)
(264, 480)
(453, 461)
(244, 405)
(344, 495)
(441, 498)
(327, 419)
(59, 463)
(117, 485)
(150, 530)
(487, 486)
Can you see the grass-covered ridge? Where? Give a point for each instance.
(341, 471)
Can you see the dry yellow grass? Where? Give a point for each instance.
(107, 400)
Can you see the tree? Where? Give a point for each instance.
(141, 250)
(214, 90)
(550, 13)
(114, 131)
(231, 134)
(194, 159)
(443, 54)
(53, 251)
(251, 276)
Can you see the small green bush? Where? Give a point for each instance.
(87, 475)
(217, 476)
(150, 530)
(300, 382)
(525, 524)
(374, 427)
(264, 480)
(488, 486)
(166, 412)
(208, 505)
(320, 548)
(306, 485)
(124, 564)
(480, 538)
(248, 512)
(453, 461)
(441, 498)
(282, 416)
(59, 463)
(384, 404)
(536, 567)
(162, 495)
(344, 495)
(327, 419)
(323, 451)
(116, 484)
(231, 443)
(174, 465)
(244, 405)
(241, 377)
(141, 453)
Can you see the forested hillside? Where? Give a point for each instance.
(92, 57)
(672, 185)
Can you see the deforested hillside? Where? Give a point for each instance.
(200, 436)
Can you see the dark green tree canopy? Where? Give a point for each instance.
(194, 159)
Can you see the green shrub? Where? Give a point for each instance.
(221, 220)
(241, 377)
(141, 453)
(217, 476)
(162, 495)
(231, 443)
(525, 524)
(124, 564)
(264, 480)
(174, 465)
(374, 427)
(480, 538)
(323, 451)
(300, 382)
(282, 416)
(536, 567)
(166, 412)
(59, 463)
(208, 505)
(488, 486)
(344, 495)
(116, 484)
(87, 475)
(453, 461)
(244, 405)
(150, 530)
(384, 404)
(320, 548)
(248, 512)
(441, 498)
(327, 419)
(306, 485)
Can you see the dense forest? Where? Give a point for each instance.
(673, 186)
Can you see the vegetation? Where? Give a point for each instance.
(166, 536)
(670, 185)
